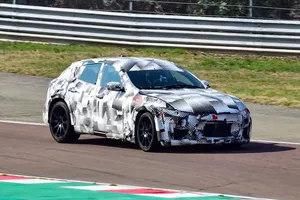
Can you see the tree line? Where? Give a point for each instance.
(266, 9)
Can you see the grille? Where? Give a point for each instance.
(220, 129)
(179, 134)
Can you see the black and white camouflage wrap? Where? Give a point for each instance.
(180, 115)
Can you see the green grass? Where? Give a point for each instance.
(259, 79)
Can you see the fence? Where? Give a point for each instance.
(271, 9)
(19, 22)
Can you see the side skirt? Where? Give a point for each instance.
(100, 133)
(110, 135)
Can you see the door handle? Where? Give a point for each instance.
(73, 90)
(100, 96)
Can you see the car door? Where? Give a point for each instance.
(81, 94)
(109, 115)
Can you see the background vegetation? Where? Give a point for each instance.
(269, 9)
(259, 79)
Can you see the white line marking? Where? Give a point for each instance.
(101, 187)
(42, 124)
(25, 123)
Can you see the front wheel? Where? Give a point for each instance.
(146, 133)
(60, 124)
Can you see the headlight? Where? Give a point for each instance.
(245, 111)
(241, 106)
(169, 110)
(169, 107)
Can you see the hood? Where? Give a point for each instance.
(197, 101)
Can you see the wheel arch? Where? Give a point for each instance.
(59, 99)
(155, 143)
(141, 111)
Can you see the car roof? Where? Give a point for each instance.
(135, 63)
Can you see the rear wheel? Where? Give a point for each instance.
(146, 133)
(60, 124)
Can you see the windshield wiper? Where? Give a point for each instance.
(153, 87)
(181, 86)
(171, 86)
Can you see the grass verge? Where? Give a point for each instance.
(258, 79)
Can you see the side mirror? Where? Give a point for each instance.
(206, 83)
(115, 86)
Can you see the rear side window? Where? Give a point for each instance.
(90, 73)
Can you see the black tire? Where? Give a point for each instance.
(146, 133)
(60, 124)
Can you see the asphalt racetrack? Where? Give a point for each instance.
(262, 169)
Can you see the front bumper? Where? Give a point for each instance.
(206, 140)
(176, 129)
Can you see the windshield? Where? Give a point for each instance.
(163, 79)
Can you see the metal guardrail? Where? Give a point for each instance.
(19, 22)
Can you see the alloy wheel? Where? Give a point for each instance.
(145, 132)
(58, 122)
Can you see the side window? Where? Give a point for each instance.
(90, 73)
(109, 74)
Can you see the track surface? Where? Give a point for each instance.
(262, 170)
